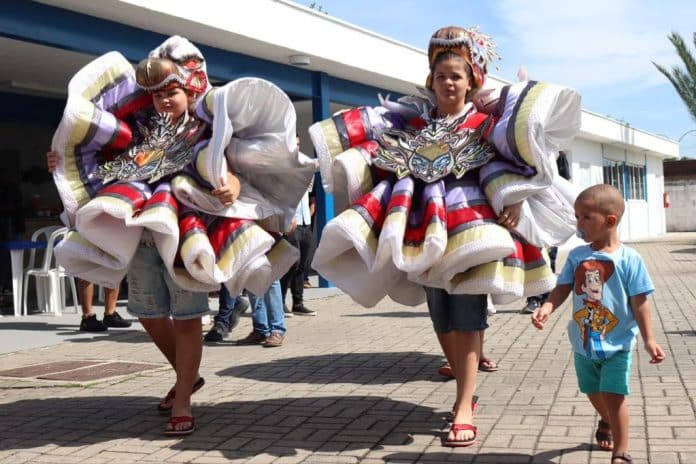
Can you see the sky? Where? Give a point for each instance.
(602, 48)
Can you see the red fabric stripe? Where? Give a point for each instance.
(417, 234)
(354, 126)
(133, 195)
(123, 137)
(223, 230)
(469, 214)
(190, 222)
(143, 101)
(417, 123)
(400, 200)
(373, 207)
(163, 197)
(519, 250)
(473, 121)
(530, 252)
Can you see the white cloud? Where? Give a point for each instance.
(594, 43)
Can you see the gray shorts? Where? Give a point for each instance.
(153, 294)
(461, 313)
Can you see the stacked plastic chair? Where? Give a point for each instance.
(50, 278)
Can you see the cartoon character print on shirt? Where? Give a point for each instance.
(594, 319)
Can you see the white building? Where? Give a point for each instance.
(323, 63)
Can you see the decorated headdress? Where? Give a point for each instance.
(477, 49)
(175, 63)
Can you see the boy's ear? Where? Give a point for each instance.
(612, 220)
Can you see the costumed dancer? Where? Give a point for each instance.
(448, 196)
(181, 206)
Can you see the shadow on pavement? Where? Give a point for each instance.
(357, 368)
(545, 457)
(680, 332)
(237, 429)
(129, 335)
(685, 250)
(392, 314)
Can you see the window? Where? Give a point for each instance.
(635, 177)
(614, 174)
(628, 178)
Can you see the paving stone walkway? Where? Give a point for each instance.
(355, 385)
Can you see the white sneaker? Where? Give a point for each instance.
(490, 305)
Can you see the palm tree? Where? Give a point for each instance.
(684, 81)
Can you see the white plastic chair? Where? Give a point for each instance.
(52, 277)
(42, 234)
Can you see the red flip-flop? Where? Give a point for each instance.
(172, 431)
(166, 404)
(455, 428)
(487, 365)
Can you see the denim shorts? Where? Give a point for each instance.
(461, 313)
(611, 375)
(153, 294)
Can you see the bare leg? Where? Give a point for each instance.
(189, 349)
(618, 418)
(110, 300)
(462, 350)
(86, 296)
(161, 330)
(598, 402)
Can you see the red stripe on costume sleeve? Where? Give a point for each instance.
(354, 126)
(189, 222)
(224, 229)
(123, 137)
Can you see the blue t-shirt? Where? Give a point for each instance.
(603, 322)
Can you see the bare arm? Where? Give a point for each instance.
(555, 299)
(641, 311)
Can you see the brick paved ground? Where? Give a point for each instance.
(357, 385)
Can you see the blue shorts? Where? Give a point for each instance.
(461, 313)
(611, 375)
(153, 294)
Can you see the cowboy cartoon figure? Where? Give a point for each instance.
(594, 319)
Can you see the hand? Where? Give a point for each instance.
(293, 225)
(541, 315)
(510, 216)
(657, 355)
(228, 193)
(52, 159)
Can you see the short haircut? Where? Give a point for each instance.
(604, 198)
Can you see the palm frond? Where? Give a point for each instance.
(683, 80)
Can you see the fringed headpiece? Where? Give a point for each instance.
(477, 49)
(175, 63)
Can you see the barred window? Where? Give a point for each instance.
(614, 174)
(635, 179)
(628, 178)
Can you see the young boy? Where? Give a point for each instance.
(610, 287)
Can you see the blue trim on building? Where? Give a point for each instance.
(321, 109)
(56, 27)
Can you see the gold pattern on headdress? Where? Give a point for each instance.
(475, 48)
